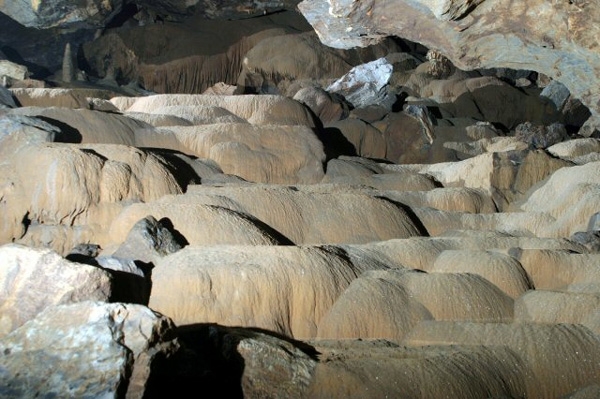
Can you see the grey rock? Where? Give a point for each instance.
(557, 94)
(34, 279)
(589, 239)
(90, 250)
(366, 84)
(18, 131)
(539, 136)
(86, 350)
(148, 240)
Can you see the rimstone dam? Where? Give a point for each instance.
(300, 199)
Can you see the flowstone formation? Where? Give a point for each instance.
(228, 205)
(556, 38)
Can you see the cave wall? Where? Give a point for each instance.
(556, 38)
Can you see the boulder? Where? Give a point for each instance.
(34, 279)
(10, 71)
(366, 84)
(365, 140)
(87, 349)
(272, 366)
(63, 13)
(149, 240)
(539, 136)
(326, 107)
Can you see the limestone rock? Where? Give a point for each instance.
(451, 199)
(284, 289)
(573, 204)
(357, 171)
(326, 107)
(258, 110)
(421, 252)
(552, 353)
(500, 269)
(257, 153)
(557, 39)
(579, 151)
(87, 126)
(89, 348)
(280, 63)
(506, 175)
(187, 57)
(374, 306)
(34, 279)
(561, 270)
(551, 307)
(199, 115)
(198, 224)
(312, 215)
(80, 188)
(379, 368)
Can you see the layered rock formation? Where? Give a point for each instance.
(436, 234)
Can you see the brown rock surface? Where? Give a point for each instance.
(553, 354)
(285, 289)
(311, 214)
(376, 369)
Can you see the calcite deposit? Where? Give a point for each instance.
(205, 198)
